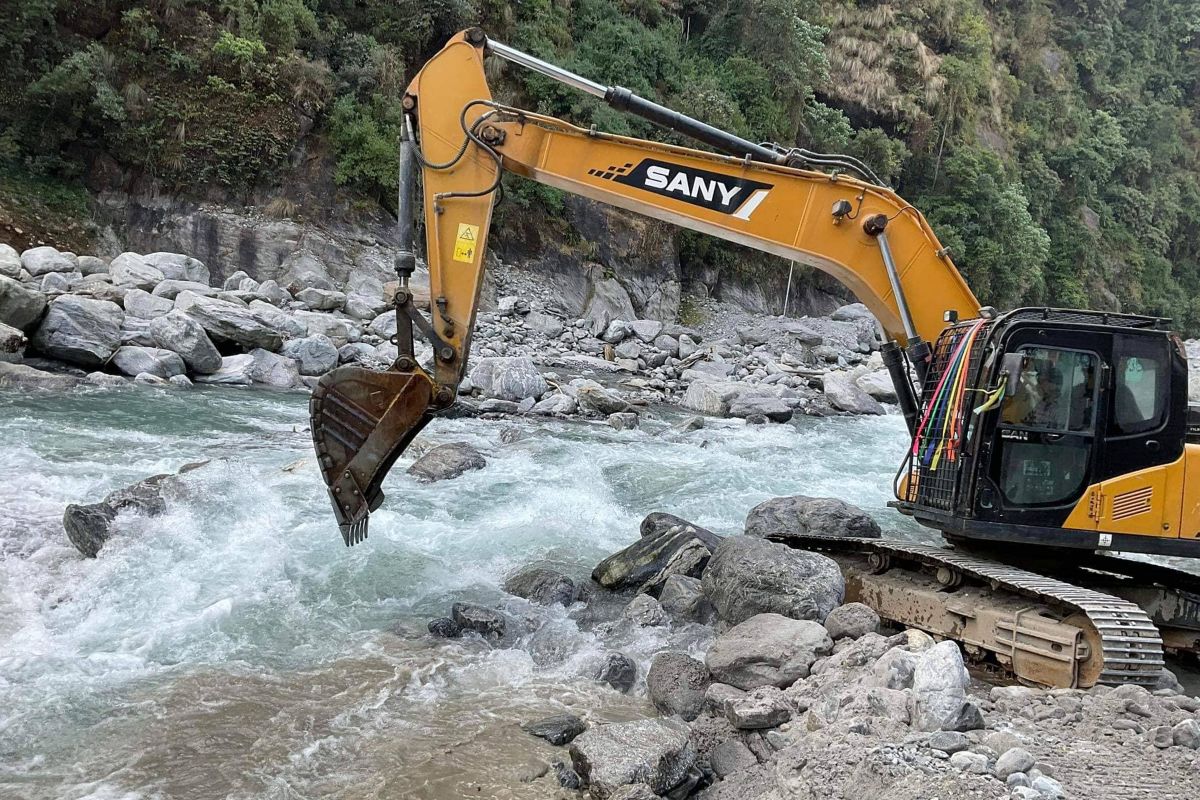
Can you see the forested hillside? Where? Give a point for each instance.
(1054, 146)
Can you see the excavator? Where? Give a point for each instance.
(1044, 440)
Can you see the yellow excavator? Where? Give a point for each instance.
(1041, 438)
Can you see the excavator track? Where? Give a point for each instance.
(1115, 641)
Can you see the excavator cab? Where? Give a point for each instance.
(1055, 427)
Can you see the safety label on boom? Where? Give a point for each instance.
(466, 242)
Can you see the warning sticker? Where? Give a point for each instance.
(466, 242)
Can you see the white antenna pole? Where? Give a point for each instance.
(787, 293)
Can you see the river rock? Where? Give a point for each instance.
(39, 261)
(130, 269)
(135, 332)
(557, 729)
(644, 565)
(315, 355)
(447, 461)
(508, 378)
(623, 421)
(178, 267)
(355, 352)
(542, 585)
(58, 282)
(595, 398)
(782, 517)
(618, 670)
(609, 301)
(851, 621)
(234, 371)
(940, 684)
(10, 262)
(844, 394)
(487, 622)
(24, 377)
(299, 323)
(271, 292)
(558, 404)
(748, 576)
(1014, 760)
(92, 265)
(750, 404)
(229, 322)
(161, 363)
(142, 304)
(322, 299)
(548, 326)
(764, 707)
(708, 398)
(20, 306)
(80, 330)
(676, 683)
(767, 650)
(181, 334)
(271, 369)
(1186, 734)
(646, 329)
(445, 628)
(655, 752)
(171, 289)
(12, 344)
(878, 384)
(683, 598)
(644, 611)
(730, 757)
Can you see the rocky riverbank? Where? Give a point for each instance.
(768, 687)
(155, 319)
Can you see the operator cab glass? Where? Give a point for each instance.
(1047, 425)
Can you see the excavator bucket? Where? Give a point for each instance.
(361, 422)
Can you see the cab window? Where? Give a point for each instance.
(1056, 391)
(1141, 386)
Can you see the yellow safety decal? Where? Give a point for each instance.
(466, 242)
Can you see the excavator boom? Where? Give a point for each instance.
(843, 222)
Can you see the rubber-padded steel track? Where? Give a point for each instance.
(1131, 644)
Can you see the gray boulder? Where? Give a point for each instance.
(624, 420)
(844, 394)
(940, 683)
(161, 363)
(178, 267)
(559, 404)
(782, 517)
(508, 378)
(384, 325)
(12, 344)
(676, 683)
(729, 757)
(748, 576)
(851, 621)
(171, 289)
(852, 313)
(322, 299)
(135, 332)
(557, 729)
(181, 334)
(271, 369)
(447, 461)
(130, 269)
(10, 262)
(618, 670)
(707, 397)
(24, 377)
(643, 611)
(655, 752)
(59, 282)
(297, 324)
(646, 329)
(363, 307)
(1013, 760)
(355, 352)
(487, 622)
(748, 404)
(142, 304)
(91, 265)
(548, 326)
(764, 707)
(229, 322)
(647, 563)
(609, 301)
(878, 384)
(80, 330)
(39, 261)
(767, 650)
(542, 585)
(595, 398)
(683, 598)
(271, 292)
(315, 355)
(21, 306)
(234, 371)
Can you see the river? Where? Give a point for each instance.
(234, 648)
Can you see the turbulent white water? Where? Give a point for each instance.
(233, 647)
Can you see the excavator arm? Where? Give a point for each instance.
(763, 196)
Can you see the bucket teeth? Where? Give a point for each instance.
(361, 421)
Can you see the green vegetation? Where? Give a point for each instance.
(1053, 144)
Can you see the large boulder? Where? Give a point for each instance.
(39, 261)
(178, 267)
(161, 363)
(852, 621)
(557, 729)
(229, 322)
(272, 369)
(322, 299)
(80, 330)
(508, 378)
(312, 323)
(655, 752)
(542, 585)
(447, 461)
(171, 289)
(21, 376)
(181, 334)
(767, 650)
(682, 549)
(234, 371)
(748, 576)
(10, 262)
(940, 683)
(130, 269)
(676, 684)
(593, 397)
(12, 344)
(609, 301)
(20, 306)
(683, 598)
(782, 517)
(315, 355)
(140, 303)
(709, 397)
(751, 404)
(845, 395)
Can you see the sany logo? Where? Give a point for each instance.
(738, 197)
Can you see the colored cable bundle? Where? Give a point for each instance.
(944, 413)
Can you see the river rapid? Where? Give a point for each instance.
(234, 648)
